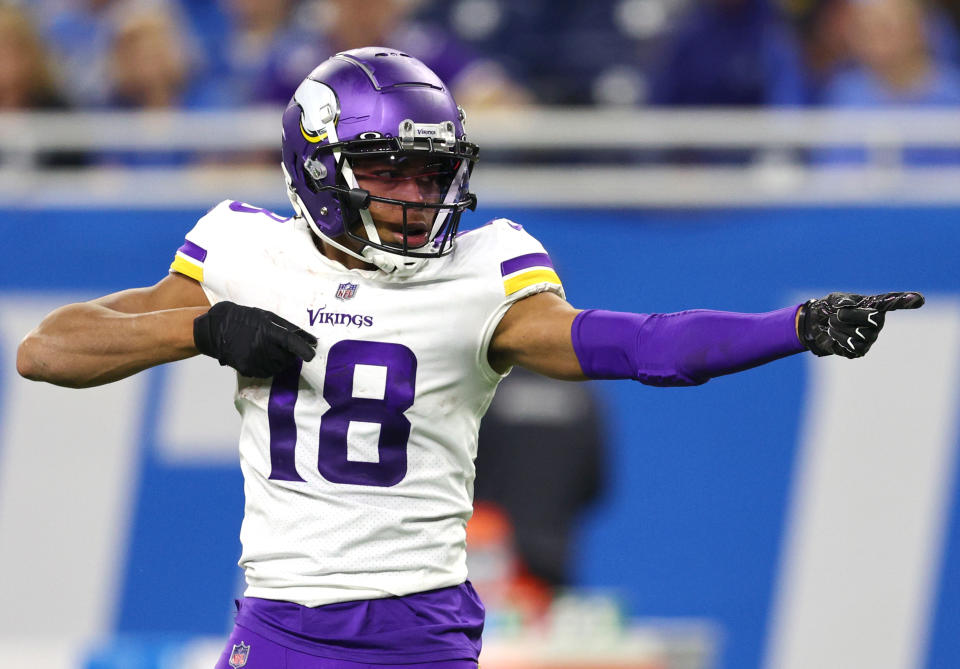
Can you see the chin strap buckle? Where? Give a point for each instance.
(395, 266)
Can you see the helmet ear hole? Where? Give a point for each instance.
(314, 172)
(315, 168)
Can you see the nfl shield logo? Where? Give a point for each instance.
(238, 656)
(346, 291)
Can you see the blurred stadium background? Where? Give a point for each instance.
(670, 154)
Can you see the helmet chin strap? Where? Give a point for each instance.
(393, 265)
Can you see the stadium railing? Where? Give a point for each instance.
(566, 157)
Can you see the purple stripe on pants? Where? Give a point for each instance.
(194, 251)
(261, 653)
(425, 627)
(525, 261)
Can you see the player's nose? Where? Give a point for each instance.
(420, 190)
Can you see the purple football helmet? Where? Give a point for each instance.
(375, 103)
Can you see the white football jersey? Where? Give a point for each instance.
(358, 465)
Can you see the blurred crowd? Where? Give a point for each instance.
(201, 54)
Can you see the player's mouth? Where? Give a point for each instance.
(417, 234)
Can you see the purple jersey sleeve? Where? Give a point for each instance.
(680, 349)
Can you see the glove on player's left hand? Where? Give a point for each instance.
(847, 324)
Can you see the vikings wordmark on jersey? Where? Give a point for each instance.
(358, 465)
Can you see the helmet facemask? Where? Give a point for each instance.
(417, 193)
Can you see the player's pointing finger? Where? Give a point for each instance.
(894, 301)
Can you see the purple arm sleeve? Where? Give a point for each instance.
(686, 348)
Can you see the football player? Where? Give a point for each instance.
(369, 335)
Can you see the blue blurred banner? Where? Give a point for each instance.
(805, 500)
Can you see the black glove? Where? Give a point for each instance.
(254, 342)
(846, 324)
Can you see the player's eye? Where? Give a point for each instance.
(398, 176)
(383, 175)
(430, 178)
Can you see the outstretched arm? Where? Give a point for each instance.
(547, 335)
(107, 339)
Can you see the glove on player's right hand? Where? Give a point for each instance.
(847, 324)
(254, 342)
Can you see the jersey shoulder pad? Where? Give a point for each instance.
(514, 256)
(525, 266)
(228, 225)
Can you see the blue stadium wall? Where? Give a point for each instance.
(693, 518)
